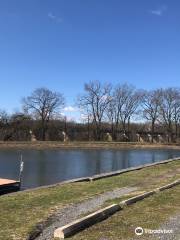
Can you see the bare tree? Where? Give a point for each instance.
(95, 101)
(87, 119)
(43, 104)
(130, 107)
(125, 101)
(151, 107)
(4, 117)
(112, 115)
(177, 113)
(169, 109)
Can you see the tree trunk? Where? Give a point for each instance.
(43, 133)
(44, 129)
(124, 126)
(152, 130)
(170, 132)
(176, 129)
(128, 129)
(116, 130)
(98, 133)
(112, 130)
(88, 130)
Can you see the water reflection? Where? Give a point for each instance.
(44, 167)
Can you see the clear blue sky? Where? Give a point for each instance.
(60, 44)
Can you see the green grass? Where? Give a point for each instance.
(150, 213)
(22, 211)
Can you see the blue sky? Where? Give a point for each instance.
(60, 44)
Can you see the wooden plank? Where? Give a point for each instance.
(89, 220)
(82, 223)
(137, 198)
(173, 184)
(8, 186)
(4, 181)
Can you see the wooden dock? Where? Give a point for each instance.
(8, 185)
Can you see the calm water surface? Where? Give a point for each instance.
(44, 167)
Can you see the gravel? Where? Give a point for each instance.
(72, 212)
(173, 224)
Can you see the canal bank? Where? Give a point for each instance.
(19, 145)
(38, 207)
(49, 166)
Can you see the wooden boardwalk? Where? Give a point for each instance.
(8, 185)
(4, 181)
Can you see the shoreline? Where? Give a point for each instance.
(40, 145)
(100, 176)
(42, 206)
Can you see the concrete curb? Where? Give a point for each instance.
(104, 213)
(85, 222)
(136, 198)
(148, 194)
(111, 174)
(173, 184)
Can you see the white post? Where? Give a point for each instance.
(21, 169)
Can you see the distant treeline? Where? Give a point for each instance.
(122, 112)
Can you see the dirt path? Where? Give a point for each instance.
(72, 212)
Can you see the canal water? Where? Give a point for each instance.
(43, 167)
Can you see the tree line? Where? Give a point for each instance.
(116, 109)
(124, 103)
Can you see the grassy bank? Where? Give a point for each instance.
(83, 145)
(150, 213)
(20, 212)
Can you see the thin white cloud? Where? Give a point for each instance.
(54, 17)
(70, 109)
(68, 118)
(159, 11)
(156, 12)
(85, 117)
